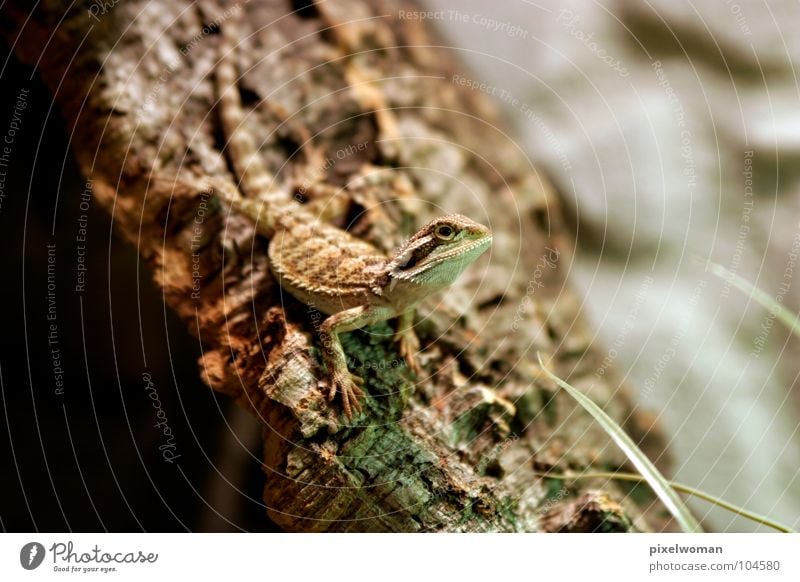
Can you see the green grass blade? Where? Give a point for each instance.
(656, 480)
(751, 515)
(787, 317)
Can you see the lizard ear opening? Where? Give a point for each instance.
(444, 232)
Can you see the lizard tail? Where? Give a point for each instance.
(256, 209)
(254, 178)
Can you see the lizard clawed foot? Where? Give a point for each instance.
(408, 346)
(350, 387)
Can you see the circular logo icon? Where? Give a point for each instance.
(31, 555)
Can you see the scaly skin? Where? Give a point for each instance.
(329, 269)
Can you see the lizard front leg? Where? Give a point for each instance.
(407, 341)
(341, 379)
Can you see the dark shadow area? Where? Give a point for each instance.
(107, 425)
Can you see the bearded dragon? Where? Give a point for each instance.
(327, 268)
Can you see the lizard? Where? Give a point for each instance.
(327, 268)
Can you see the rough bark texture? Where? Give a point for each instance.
(453, 450)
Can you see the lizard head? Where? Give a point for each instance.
(438, 253)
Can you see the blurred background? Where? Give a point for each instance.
(672, 131)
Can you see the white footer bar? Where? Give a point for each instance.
(353, 557)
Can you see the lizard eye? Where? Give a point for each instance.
(444, 232)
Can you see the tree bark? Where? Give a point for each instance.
(354, 94)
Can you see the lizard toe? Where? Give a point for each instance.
(349, 385)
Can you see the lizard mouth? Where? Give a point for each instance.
(463, 250)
